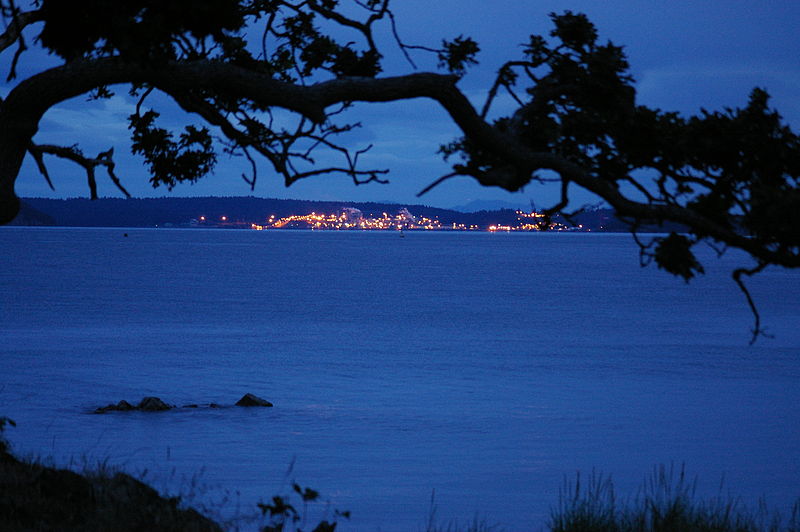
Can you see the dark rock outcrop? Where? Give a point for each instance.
(153, 404)
(125, 405)
(122, 406)
(148, 404)
(249, 399)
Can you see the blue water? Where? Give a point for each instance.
(486, 367)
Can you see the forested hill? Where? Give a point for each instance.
(177, 211)
(151, 212)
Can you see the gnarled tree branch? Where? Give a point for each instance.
(729, 178)
(31, 98)
(72, 153)
(18, 22)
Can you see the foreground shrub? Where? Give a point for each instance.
(666, 503)
(283, 515)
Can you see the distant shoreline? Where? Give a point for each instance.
(279, 214)
(314, 231)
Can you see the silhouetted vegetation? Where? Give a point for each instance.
(36, 497)
(666, 503)
(268, 81)
(272, 81)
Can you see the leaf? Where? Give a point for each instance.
(674, 255)
(306, 494)
(458, 53)
(325, 526)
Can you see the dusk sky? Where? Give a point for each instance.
(685, 55)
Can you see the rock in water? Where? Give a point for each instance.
(153, 404)
(249, 399)
(122, 406)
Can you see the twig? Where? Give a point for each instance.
(437, 183)
(737, 276)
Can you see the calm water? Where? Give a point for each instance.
(485, 367)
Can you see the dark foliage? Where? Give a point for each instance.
(169, 161)
(136, 29)
(283, 516)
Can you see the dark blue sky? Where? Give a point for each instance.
(684, 55)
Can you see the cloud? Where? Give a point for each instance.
(687, 89)
(104, 120)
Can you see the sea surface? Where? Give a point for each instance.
(481, 369)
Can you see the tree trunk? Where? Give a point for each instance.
(15, 136)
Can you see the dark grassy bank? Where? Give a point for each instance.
(35, 497)
(39, 498)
